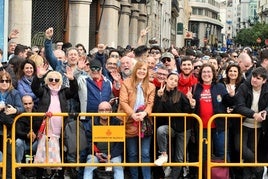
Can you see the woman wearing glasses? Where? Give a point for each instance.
(10, 106)
(53, 98)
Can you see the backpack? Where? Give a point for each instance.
(70, 137)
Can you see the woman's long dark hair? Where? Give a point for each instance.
(176, 94)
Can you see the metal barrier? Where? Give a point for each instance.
(5, 140)
(225, 163)
(100, 135)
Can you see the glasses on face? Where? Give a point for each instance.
(114, 56)
(54, 80)
(198, 66)
(161, 74)
(105, 110)
(5, 81)
(235, 56)
(95, 68)
(155, 52)
(164, 60)
(110, 63)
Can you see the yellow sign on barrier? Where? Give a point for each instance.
(108, 133)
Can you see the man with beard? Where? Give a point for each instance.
(186, 77)
(126, 65)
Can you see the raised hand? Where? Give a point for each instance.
(144, 32)
(81, 64)
(49, 33)
(13, 34)
(230, 90)
(42, 70)
(174, 51)
(116, 75)
(160, 92)
(69, 73)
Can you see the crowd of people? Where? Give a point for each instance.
(139, 81)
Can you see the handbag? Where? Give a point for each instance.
(219, 172)
(47, 142)
(146, 126)
(53, 153)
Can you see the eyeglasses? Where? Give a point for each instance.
(162, 74)
(235, 56)
(105, 110)
(95, 68)
(165, 59)
(155, 52)
(110, 63)
(198, 66)
(54, 80)
(114, 56)
(6, 81)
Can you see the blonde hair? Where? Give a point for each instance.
(135, 79)
(52, 73)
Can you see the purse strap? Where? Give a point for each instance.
(42, 127)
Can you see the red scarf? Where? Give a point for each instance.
(156, 83)
(185, 84)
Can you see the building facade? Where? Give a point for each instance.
(112, 22)
(205, 23)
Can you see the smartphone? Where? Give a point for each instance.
(263, 114)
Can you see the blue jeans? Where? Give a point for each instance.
(21, 147)
(133, 155)
(218, 141)
(162, 140)
(118, 170)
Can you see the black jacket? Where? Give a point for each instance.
(244, 98)
(168, 106)
(43, 93)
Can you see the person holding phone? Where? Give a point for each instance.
(251, 102)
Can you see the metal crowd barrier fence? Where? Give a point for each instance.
(225, 161)
(3, 163)
(106, 134)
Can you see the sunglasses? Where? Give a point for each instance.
(198, 66)
(54, 80)
(95, 68)
(165, 59)
(235, 56)
(6, 81)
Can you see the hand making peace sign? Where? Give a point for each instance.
(160, 92)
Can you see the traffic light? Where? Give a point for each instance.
(139, 1)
